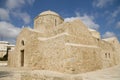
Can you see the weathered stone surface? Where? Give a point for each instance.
(67, 47)
(48, 75)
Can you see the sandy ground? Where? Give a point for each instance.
(7, 73)
(112, 73)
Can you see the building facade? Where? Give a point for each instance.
(68, 47)
(5, 47)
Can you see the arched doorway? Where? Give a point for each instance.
(22, 58)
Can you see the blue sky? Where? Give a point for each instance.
(102, 15)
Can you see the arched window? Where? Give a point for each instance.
(55, 22)
(98, 39)
(22, 42)
(105, 55)
(109, 55)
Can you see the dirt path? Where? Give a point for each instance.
(7, 73)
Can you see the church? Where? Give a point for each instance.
(67, 47)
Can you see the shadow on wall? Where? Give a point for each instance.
(5, 58)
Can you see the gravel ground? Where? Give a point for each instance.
(7, 73)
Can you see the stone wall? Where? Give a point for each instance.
(64, 53)
(46, 23)
(2, 54)
(95, 34)
(68, 47)
(3, 48)
(115, 43)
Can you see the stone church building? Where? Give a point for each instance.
(68, 47)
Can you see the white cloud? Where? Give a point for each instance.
(26, 18)
(87, 20)
(111, 17)
(15, 9)
(102, 3)
(4, 14)
(30, 1)
(8, 31)
(70, 19)
(12, 4)
(23, 16)
(108, 35)
(116, 12)
(118, 24)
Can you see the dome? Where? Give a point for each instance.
(48, 12)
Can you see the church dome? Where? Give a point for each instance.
(48, 12)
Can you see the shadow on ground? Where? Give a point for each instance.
(5, 74)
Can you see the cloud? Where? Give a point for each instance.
(23, 16)
(30, 1)
(87, 20)
(12, 4)
(111, 17)
(116, 12)
(26, 17)
(118, 24)
(8, 31)
(102, 3)
(70, 19)
(15, 9)
(4, 14)
(108, 35)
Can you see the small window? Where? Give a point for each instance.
(113, 41)
(55, 22)
(109, 55)
(22, 42)
(98, 39)
(105, 55)
(68, 40)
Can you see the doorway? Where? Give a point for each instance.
(22, 58)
